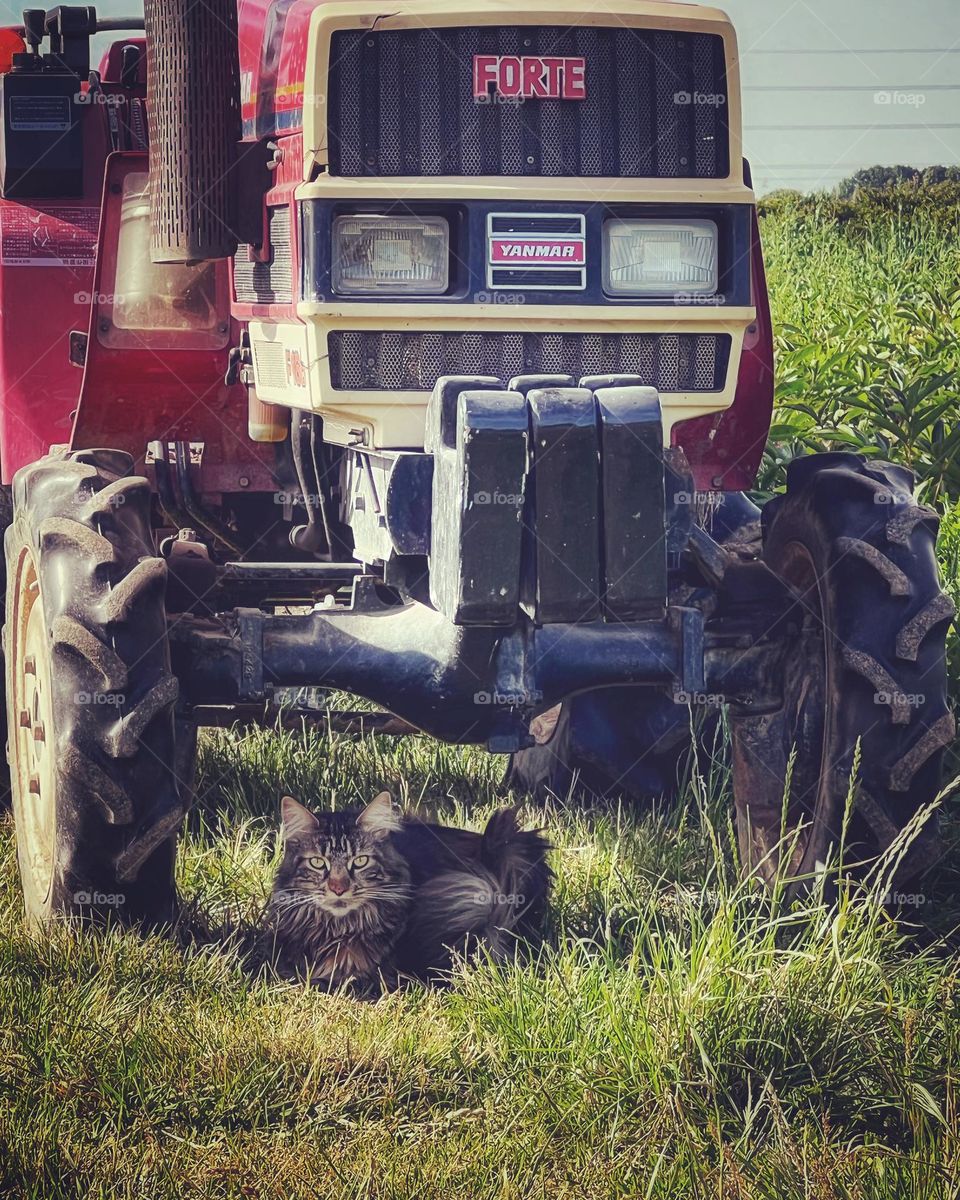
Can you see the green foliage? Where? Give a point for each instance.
(933, 207)
(868, 339)
(873, 178)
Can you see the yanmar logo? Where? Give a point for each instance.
(529, 78)
(535, 251)
(509, 250)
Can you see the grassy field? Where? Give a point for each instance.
(682, 1033)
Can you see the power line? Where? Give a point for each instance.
(798, 166)
(819, 128)
(853, 87)
(874, 50)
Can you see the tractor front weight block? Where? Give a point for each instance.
(549, 499)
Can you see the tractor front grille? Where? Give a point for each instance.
(268, 282)
(401, 362)
(401, 103)
(270, 363)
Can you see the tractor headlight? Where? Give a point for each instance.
(660, 258)
(407, 255)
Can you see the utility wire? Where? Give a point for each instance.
(875, 50)
(852, 87)
(819, 128)
(805, 166)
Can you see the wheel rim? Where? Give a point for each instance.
(543, 727)
(33, 770)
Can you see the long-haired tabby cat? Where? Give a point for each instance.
(366, 896)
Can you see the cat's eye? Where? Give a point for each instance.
(318, 863)
(360, 860)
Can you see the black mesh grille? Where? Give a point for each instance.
(401, 103)
(508, 277)
(670, 362)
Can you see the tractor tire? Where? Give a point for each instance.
(602, 743)
(90, 694)
(865, 662)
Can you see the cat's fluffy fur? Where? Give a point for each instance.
(365, 897)
(471, 890)
(340, 898)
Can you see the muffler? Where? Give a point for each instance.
(193, 82)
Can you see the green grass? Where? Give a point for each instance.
(680, 1035)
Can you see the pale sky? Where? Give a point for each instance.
(893, 71)
(889, 69)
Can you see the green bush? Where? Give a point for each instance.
(868, 336)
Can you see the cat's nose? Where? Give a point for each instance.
(338, 884)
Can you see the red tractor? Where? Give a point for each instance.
(426, 355)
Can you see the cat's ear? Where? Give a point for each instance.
(379, 817)
(297, 820)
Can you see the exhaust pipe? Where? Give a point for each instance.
(193, 96)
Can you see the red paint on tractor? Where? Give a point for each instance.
(130, 397)
(46, 281)
(51, 293)
(725, 449)
(273, 55)
(58, 236)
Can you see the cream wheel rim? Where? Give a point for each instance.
(34, 766)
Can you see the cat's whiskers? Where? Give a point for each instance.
(344, 905)
(285, 900)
